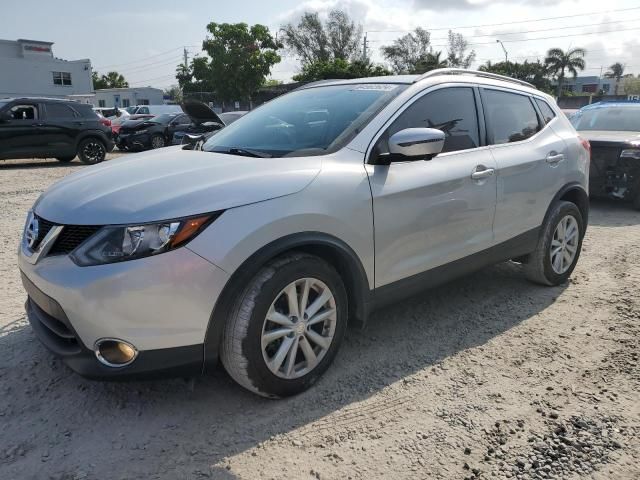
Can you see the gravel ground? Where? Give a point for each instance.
(488, 376)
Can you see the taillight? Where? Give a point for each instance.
(585, 143)
(106, 122)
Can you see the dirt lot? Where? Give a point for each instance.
(486, 377)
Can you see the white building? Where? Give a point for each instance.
(28, 68)
(127, 97)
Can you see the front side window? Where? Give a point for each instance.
(547, 112)
(58, 110)
(311, 121)
(24, 112)
(510, 116)
(62, 78)
(452, 110)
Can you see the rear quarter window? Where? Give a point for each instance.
(547, 112)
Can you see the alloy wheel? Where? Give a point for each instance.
(564, 245)
(299, 328)
(157, 142)
(94, 152)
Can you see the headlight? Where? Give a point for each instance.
(635, 154)
(128, 242)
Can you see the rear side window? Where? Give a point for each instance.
(59, 110)
(452, 110)
(547, 111)
(510, 116)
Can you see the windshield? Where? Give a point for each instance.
(163, 119)
(613, 118)
(313, 121)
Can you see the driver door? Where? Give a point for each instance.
(430, 213)
(20, 132)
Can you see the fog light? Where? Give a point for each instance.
(115, 353)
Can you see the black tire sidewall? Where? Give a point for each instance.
(86, 160)
(562, 210)
(257, 370)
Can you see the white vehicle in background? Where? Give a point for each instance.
(153, 109)
(112, 113)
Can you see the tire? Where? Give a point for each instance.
(539, 268)
(65, 159)
(91, 151)
(246, 357)
(157, 141)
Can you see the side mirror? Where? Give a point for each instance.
(416, 143)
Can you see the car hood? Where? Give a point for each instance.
(609, 136)
(170, 183)
(200, 112)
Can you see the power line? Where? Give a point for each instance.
(153, 65)
(146, 58)
(512, 23)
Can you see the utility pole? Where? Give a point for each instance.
(186, 57)
(364, 47)
(506, 54)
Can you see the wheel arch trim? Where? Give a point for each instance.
(576, 193)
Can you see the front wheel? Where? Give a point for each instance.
(157, 141)
(286, 327)
(559, 246)
(91, 151)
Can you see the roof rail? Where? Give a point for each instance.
(462, 71)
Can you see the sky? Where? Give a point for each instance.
(144, 40)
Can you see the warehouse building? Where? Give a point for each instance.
(28, 68)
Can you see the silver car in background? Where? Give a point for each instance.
(304, 215)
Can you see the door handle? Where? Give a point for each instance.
(480, 174)
(554, 158)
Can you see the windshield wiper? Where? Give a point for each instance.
(247, 152)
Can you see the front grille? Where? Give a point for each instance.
(69, 239)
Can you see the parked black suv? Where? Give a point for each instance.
(45, 128)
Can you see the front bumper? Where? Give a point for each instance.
(161, 306)
(132, 141)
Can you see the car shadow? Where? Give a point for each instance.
(193, 425)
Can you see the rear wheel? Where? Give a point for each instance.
(91, 151)
(286, 326)
(65, 159)
(558, 247)
(157, 141)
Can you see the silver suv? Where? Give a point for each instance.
(304, 215)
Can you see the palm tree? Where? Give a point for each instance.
(615, 71)
(430, 61)
(559, 61)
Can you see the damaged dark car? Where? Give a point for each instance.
(203, 121)
(613, 129)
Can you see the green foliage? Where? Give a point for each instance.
(631, 85)
(339, 68)
(457, 55)
(406, 52)
(616, 71)
(174, 92)
(272, 82)
(536, 73)
(110, 80)
(239, 59)
(313, 40)
(559, 62)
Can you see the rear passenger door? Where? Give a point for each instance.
(430, 213)
(60, 128)
(529, 158)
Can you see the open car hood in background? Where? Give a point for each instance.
(200, 112)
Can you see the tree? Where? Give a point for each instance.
(457, 51)
(615, 71)
(408, 51)
(272, 82)
(110, 80)
(238, 60)
(339, 68)
(536, 73)
(312, 40)
(631, 85)
(431, 61)
(559, 61)
(174, 92)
